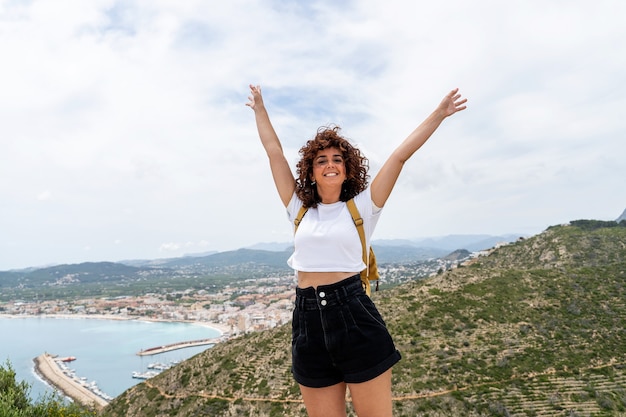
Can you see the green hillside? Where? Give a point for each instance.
(536, 328)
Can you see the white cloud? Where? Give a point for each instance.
(169, 247)
(128, 119)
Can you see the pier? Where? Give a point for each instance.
(48, 367)
(180, 345)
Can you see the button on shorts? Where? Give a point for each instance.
(338, 335)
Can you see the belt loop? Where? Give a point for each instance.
(345, 294)
(339, 295)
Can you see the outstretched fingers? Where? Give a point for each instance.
(255, 96)
(454, 102)
(460, 105)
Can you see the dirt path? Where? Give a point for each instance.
(398, 398)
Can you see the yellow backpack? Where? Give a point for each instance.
(370, 273)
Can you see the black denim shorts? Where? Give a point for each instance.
(338, 335)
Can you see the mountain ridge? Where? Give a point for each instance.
(420, 249)
(471, 242)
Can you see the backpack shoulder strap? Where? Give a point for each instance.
(299, 217)
(358, 222)
(369, 258)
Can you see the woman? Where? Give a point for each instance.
(339, 340)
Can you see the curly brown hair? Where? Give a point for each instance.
(355, 163)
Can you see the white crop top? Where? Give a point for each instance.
(327, 239)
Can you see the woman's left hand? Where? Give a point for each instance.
(452, 103)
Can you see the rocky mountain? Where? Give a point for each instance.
(622, 217)
(534, 328)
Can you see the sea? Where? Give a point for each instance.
(105, 349)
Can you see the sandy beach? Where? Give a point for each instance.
(47, 367)
(222, 328)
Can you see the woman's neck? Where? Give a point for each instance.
(329, 196)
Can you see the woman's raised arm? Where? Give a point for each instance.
(283, 177)
(383, 183)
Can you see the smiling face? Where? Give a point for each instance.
(329, 167)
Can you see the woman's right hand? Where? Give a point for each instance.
(255, 100)
(283, 177)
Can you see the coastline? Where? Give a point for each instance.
(48, 369)
(222, 328)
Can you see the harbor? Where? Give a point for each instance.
(57, 373)
(89, 341)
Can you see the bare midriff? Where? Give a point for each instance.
(314, 279)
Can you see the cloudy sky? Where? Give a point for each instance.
(124, 132)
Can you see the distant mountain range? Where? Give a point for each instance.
(263, 259)
(275, 254)
(215, 269)
(387, 251)
(434, 245)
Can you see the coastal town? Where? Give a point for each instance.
(261, 305)
(251, 305)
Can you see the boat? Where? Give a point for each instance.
(144, 375)
(159, 366)
(68, 359)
